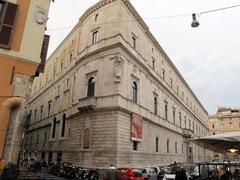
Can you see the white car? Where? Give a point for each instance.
(170, 173)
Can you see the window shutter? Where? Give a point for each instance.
(43, 55)
(7, 22)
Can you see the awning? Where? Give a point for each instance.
(220, 142)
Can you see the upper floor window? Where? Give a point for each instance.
(213, 126)
(166, 110)
(63, 125)
(91, 87)
(174, 115)
(61, 66)
(96, 17)
(35, 115)
(41, 113)
(180, 119)
(49, 108)
(70, 57)
(8, 16)
(153, 63)
(163, 74)
(155, 105)
(94, 37)
(171, 82)
(86, 138)
(54, 123)
(134, 40)
(134, 91)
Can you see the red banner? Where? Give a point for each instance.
(136, 131)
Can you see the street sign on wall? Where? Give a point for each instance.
(136, 129)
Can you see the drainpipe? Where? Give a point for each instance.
(5, 111)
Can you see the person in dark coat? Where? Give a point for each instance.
(180, 174)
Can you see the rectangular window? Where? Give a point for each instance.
(70, 58)
(37, 139)
(135, 145)
(153, 63)
(35, 115)
(61, 66)
(134, 42)
(49, 108)
(157, 144)
(45, 136)
(174, 116)
(171, 82)
(31, 140)
(166, 110)
(41, 112)
(163, 74)
(94, 37)
(8, 18)
(180, 119)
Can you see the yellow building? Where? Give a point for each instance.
(226, 120)
(22, 56)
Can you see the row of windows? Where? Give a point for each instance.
(90, 93)
(136, 148)
(198, 131)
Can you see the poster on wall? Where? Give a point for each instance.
(136, 129)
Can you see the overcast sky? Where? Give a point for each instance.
(208, 57)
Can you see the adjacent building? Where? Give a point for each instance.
(22, 54)
(225, 120)
(111, 95)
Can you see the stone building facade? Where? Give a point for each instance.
(225, 120)
(111, 95)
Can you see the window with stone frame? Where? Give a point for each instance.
(94, 37)
(155, 105)
(91, 87)
(174, 115)
(134, 92)
(86, 138)
(134, 41)
(166, 110)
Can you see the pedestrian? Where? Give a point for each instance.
(112, 173)
(180, 173)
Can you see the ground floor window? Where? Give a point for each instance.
(135, 145)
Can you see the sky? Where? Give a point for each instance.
(208, 57)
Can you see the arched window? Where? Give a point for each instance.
(54, 127)
(91, 87)
(63, 125)
(134, 91)
(168, 146)
(96, 17)
(86, 138)
(175, 147)
(155, 105)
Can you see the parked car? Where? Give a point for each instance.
(129, 174)
(149, 173)
(170, 173)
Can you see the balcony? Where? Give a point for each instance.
(187, 133)
(87, 104)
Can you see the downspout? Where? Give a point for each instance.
(5, 111)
